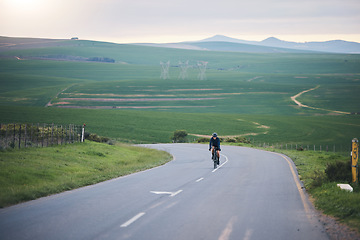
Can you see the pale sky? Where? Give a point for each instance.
(129, 21)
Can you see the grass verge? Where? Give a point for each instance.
(32, 173)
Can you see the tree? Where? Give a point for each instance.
(179, 136)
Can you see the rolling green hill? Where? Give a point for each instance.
(127, 99)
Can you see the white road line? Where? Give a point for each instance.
(225, 235)
(200, 179)
(129, 222)
(176, 193)
(221, 164)
(248, 234)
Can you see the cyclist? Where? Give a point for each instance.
(215, 146)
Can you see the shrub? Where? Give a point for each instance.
(101, 59)
(96, 138)
(339, 171)
(179, 136)
(242, 140)
(203, 139)
(319, 178)
(231, 140)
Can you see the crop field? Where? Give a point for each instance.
(242, 94)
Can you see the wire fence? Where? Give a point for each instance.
(335, 148)
(16, 135)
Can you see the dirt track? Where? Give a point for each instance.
(306, 106)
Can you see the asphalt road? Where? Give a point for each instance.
(254, 194)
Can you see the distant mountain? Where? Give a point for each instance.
(222, 38)
(269, 45)
(224, 46)
(334, 46)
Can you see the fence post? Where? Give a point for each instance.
(69, 132)
(354, 161)
(77, 133)
(42, 136)
(13, 144)
(31, 134)
(57, 134)
(69, 140)
(47, 135)
(19, 135)
(52, 134)
(83, 133)
(1, 134)
(6, 136)
(25, 134)
(37, 134)
(61, 134)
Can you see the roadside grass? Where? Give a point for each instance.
(32, 173)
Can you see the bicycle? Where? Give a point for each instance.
(215, 158)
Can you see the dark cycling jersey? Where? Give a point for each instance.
(215, 142)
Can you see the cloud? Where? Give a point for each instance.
(135, 18)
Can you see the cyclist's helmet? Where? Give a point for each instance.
(214, 134)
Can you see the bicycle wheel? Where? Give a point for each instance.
(215, 159)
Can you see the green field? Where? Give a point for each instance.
(128, 101)
(244, 94)
(152, 127)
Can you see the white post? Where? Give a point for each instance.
(83, 133)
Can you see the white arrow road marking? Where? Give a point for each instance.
(176, 193)
(172, 194)
(157, 192)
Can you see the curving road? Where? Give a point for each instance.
(254, 194)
